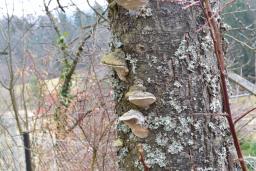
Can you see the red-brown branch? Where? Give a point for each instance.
(217, 42)
(243, 115)
(141, 157)
(143, 162)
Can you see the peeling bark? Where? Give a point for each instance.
(173, 60)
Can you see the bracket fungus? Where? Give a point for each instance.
(135, 88)
(135, 120)
(139, 97)
(132, 4)
(117, 61)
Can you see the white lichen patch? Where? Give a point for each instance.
(212, 126)
(187, 53)
(132, 136)
(175, 105)
(166, 122)
(184, 126)
(119, 89)
(154, 59)
(145, 12)
(147, 29)
(215, 105)
(207, 43)
(180, 52)
(190, 142)
(191, 66)
(185, 122)
(138, 165)
(133, 62)
(122, 128)
(154, 156)
(162, 69)
(222, 153)
(177, 84)
(222, 127)
(201, 149)
(215, 85)
(205, 169)
(122, 153)
(212, 81)
(184, 107)
(161, 140)
(175, 148)
(149, 80)
(197, 125)
(223, 124)
(159, 68)
(116, 42)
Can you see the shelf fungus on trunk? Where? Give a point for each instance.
(139, 97)
(135, 120)
(132, 4)
(117, 61)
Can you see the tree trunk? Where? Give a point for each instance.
(170, 51)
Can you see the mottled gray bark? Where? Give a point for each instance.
(168, 49)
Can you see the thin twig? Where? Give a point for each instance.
(241, 42)
(217, 41)
(60, 6)
(243, 115)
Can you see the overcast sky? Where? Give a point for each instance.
(35, 7)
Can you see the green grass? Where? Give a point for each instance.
(249, 147)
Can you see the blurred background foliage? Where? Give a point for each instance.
(240, 20)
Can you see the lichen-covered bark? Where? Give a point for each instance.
(170, 51)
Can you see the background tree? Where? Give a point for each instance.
(241, 23)
(36, 42)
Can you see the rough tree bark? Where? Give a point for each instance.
(169, 50)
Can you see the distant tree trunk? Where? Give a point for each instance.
(170, 51)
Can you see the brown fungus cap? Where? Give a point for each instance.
(132, 4)
(133, 116)
(135, 120)
(135, 88)
(141, 99)
(117, 61)
(140, 131)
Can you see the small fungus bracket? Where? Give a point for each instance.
(138, 96)
(135, 120)
(116, 60)
(132, 4)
